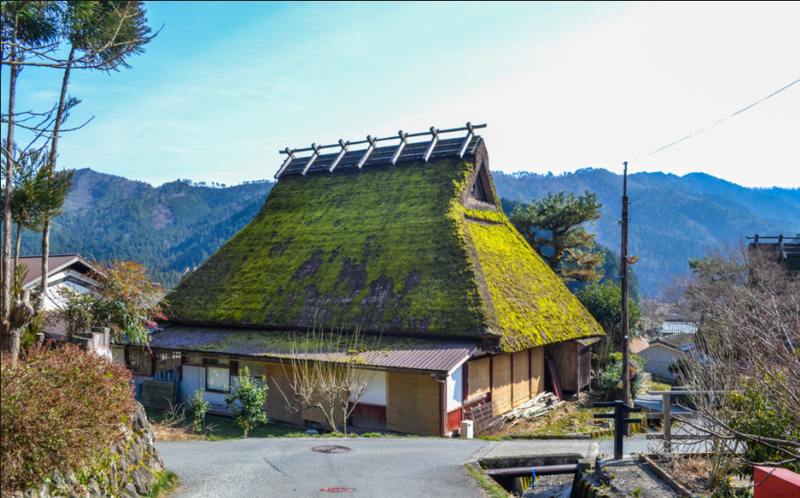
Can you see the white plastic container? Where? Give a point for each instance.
(467, 430)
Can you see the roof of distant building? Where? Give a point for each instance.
(55, 263)
(682, 342)
(678, 327)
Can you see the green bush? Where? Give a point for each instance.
(61, 410)
(759, 416)
(610, 378)
(247, 399)
(200, 407)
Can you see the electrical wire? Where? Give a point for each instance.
(715, 124)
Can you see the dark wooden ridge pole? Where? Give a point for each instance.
(626, 359)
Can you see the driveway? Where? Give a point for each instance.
(385, 467)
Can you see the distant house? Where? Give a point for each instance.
(678, 327)
(665, 351)
(66, 271)
(408, 245)
(784, 249)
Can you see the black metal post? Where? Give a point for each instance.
(620, 421)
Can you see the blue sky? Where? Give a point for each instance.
(563, 86)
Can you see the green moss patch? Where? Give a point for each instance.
(386, 249)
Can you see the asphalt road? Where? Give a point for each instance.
(379, 467)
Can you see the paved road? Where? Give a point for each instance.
(385, 467)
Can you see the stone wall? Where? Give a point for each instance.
(129, 471)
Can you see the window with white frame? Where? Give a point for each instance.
(218, 374)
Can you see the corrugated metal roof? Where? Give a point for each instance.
(412, 152)
(675, 327)
(377, 351)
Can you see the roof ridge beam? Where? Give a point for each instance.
(403, 142)
(345, 147)
(313, 158)
(368, 151)
(286, 163)
(467, 140)
(431, 146)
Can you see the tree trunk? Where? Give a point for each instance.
(16, 250)
(5, 305)
(40, 300)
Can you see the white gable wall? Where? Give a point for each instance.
(660, 358)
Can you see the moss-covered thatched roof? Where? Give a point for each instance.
(393, 248)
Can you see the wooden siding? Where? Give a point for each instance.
(521, 378)
(413, 404)
(276, 406)
(566, 356)
(454, 420)
(478, 378)
(368, 416)
(537, 370)
(501, 384)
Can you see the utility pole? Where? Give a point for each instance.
(626, 358)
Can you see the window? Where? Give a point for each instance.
(256, 369)
(140, 361)
(218, 374)
(118, 354)
(167, 360)
(193, 359)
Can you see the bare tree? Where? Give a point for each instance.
(746, 365)
(328, 374)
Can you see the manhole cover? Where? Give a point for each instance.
(330, 449)
(338, 490)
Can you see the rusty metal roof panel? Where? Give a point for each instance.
(435, 355)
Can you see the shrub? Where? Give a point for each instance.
(611, 378)
(247, 399)
(61, 410)
(200, 407)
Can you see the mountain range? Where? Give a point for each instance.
(179, 224)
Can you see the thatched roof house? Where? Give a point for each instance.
(395, 243)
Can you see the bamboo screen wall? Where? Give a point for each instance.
(478, 378)
(521, 377)
(413, 404)
(501, 384)
(537, 370)
(276, 406)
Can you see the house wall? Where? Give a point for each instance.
(501, 384)
(478, 378)
(455, 389)
(413, 404)
(281, 403)
(537, 370)
(521, 377)
(565, 355)
(376, 390)
(659, 359)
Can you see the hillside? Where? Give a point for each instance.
(178, 225)
(168, 228)
(672, 218)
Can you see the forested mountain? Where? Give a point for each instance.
(672, 218)
(168, 229)
(179, 224)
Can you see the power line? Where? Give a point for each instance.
(718, 122)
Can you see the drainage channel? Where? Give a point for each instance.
(518, 474)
